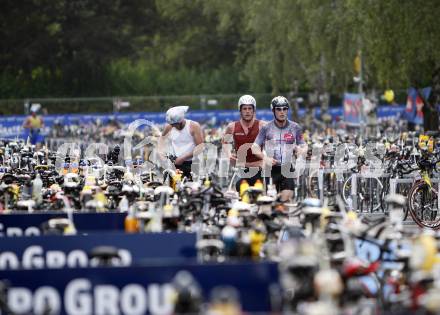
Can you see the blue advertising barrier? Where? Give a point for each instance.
(58, 251)
(134, 290)
(10, 126)
(28, 224)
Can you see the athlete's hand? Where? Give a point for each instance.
(233, 158)
(269, 161)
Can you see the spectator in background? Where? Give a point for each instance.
(33, 124)
(430, 105)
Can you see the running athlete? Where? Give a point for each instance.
(184, 135)
(280, 138)
(244, 132)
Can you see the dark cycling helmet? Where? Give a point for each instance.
(279, 101)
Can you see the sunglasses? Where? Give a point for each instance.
(284, 109)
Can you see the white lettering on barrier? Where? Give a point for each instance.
(159, 299)
(14, 231)
(77, 258)
(20, 300)
(125, 256)
(133, 300)
(108, 297)
(55, 259)
(8, 260)
(32, 231)
(76, 299)
(34, 257)
(46, 301)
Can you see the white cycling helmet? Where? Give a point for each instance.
(35, 108)
(247, 100)
(176, 114)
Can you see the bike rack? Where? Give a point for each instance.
(354, 195)
(321, 173)
(396, 181)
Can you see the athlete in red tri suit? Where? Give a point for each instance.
(243, 134)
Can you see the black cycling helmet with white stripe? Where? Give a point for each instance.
(279, 101)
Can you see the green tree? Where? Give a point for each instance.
(400, 39)
(97, 47)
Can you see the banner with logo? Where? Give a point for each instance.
(29, 224)
(352, 108)
(414, 104)
(134, 290)
(73, 251)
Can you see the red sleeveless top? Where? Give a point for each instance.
(240, 138)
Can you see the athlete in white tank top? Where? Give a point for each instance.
(182, 142)
(183, 135)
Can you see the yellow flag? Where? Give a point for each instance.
(357, 63)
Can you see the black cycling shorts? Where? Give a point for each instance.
(281, 182)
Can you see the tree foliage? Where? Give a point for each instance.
(97, 47)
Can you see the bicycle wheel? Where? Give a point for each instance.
(423, 205)
(313, 185)
(402, 189)
(369, 193)
(346, 190)
(371, 190)
(385, 192)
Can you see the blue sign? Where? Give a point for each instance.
(58, 251)
(414, 104)
(133, 290)
(28, 224)
(390, 111)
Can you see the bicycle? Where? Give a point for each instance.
(366, 190)
(396, 168)
(423, 197)
(325, 182)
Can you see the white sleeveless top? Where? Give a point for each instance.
(182, 141)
